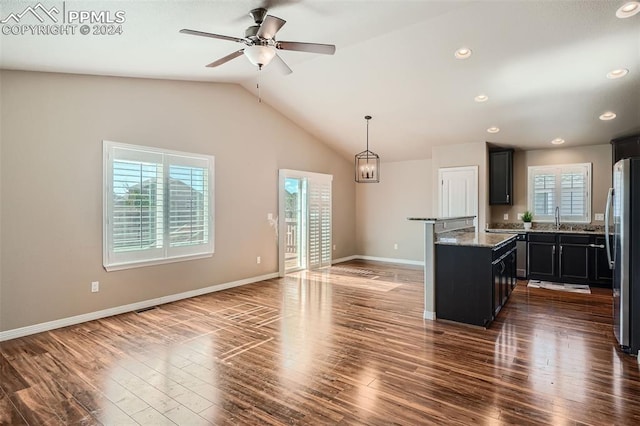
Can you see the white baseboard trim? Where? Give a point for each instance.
(390, 260)
(344, 259)
(428, 315)
(65, 322)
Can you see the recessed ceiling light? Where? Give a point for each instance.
(558, 141)
(608, 116)
(463, 53)
(620, 72)
(493, 129)
(628, 9)
(481, 98)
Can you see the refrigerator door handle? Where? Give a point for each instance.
(607, 221)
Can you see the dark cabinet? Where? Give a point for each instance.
(501, 177)
(496, 276)
(504, 278)
(472, 282)
(573, 258)
(541, 252)
(568, 258)
(625, 147)
(601, 273)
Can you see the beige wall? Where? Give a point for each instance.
(598, 155)
(1, 132)
(382, 210)
(468, 154)
(51, 186)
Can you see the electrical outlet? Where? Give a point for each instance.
(258, 260)
(506, 216)
(395, 246)
(599, 216)
(95, 286)
(269, 216)
(520, 216)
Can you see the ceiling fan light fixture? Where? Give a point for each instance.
(608, 116)
(628, 9)
(617, 73)
(367, 163)
(259, 55)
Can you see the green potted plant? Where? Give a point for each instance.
(527, 217)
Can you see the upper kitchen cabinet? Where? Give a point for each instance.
(501, 177)
(628, 146)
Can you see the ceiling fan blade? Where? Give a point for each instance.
(268, 4)
(281, 65)
(226, 58)
(211, 35)
(270, 27)
(325, 49)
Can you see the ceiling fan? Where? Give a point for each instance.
(261, 45)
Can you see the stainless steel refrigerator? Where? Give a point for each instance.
(623, 213)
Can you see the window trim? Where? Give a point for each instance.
(168, 254)
(557, 171)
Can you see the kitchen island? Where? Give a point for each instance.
(459, 270)
(433, 226)
(475, 274)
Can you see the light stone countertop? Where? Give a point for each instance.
(545, 231)
(480, 239)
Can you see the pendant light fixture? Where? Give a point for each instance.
(367, 163)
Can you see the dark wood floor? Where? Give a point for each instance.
(341, 346)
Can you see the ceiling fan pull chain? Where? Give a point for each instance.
(258, 87)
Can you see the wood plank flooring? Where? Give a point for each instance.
(343, 346)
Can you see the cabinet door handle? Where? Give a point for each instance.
(507, 198)
(560, 262)
(600, 246)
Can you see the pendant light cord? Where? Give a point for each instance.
(367, 117)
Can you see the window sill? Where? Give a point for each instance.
(140, 264)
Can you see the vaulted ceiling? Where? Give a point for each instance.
(542, 64)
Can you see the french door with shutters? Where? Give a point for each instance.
(313, 223)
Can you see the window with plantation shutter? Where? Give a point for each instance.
(157, 206)
(567, 187)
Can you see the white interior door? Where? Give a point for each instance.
(458, 191)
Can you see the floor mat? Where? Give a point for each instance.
(572, 288)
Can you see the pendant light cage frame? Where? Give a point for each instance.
(367, 163)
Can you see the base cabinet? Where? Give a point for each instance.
(573, 258)
(474, 283)
(541, 251)
(601, 273)
(568, 258)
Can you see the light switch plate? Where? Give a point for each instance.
(520, 216)
(506, 216)
(599, 216)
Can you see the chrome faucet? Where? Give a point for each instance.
(557, 217)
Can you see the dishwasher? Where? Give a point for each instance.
(521, 260)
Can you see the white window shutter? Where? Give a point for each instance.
(319, 223)
(157, 205)
(564, 186)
